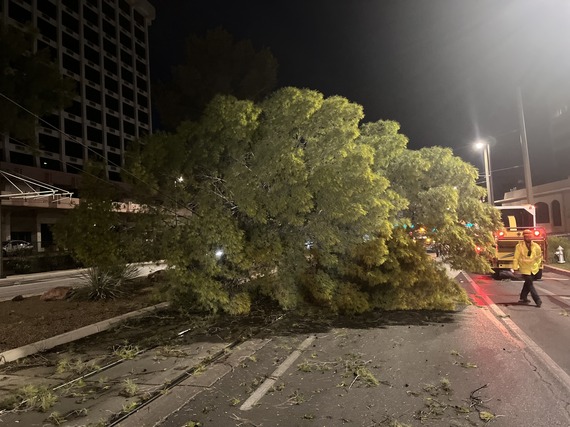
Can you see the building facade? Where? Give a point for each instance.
(552, 202)
(103, 46)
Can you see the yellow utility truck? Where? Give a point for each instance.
(516, 219)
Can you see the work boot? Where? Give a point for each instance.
(524, 301)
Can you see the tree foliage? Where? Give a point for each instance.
(308, 204)
(214, 64)
(30, 79)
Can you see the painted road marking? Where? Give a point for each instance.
(268, 383)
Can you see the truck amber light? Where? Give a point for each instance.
(536, 233)
(501, 234)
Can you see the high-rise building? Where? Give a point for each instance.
(103, 46)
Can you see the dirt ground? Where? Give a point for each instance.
(30, 320)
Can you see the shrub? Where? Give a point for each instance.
(106, 283)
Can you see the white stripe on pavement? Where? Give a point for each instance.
(268, 383)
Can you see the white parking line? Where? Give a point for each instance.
(268, 383)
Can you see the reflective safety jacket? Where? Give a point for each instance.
(525, 263)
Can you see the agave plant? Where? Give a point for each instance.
(107, 283)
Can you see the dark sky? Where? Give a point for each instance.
(447, 70)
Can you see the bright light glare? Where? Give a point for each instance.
(219, 253)
(480, 144)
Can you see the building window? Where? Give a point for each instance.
(112, 122)
(142, 101)
(50, 121)
(90, 16)
(140, 50)
(139, 19)
(129, 128)
(113, 140)
(70, 42)
(75, 109)
(111, 84)
(75, 169)
(91, 35)
(73, 149)
(92, 75)
(111, 65)
(109, 47)
(92, 95)
(141, 68)
(93, 114)
(73, 128)
(129, 112)
(108, 11)
(70, 22)
(125, 6)
(128, 93)
(47, 29)
(542, 213)
(109, 29)
(91, 54)
(51, 164)
(125, 40)
(126, 75)
(95, 154)
(52, 50)
(125, 23)
(47, 8)
(19, 14)
(49, 143)
(94, 135)
(72, 5)
(71, 64)
(141, 84)
(21, 158)
(111, 103)
(127, 58)
(143, 117)
(556, 214)
(114, 159)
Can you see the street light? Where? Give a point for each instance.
(484, 145)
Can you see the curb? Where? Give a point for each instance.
(557, 269)
(67, 337)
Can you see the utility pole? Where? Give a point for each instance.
(524, 144)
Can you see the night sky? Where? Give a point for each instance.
(446, 70)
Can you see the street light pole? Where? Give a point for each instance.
(481, 144)
(487, 160)
(524, 144)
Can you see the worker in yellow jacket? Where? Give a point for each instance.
(528, 259)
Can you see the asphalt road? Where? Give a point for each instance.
(549, 326)
(492, 363)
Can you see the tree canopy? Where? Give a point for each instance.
(214, 64)
(295, 199)
(31, 79)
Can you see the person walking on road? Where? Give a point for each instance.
(528, 259)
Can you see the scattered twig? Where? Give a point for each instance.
(243, 421)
